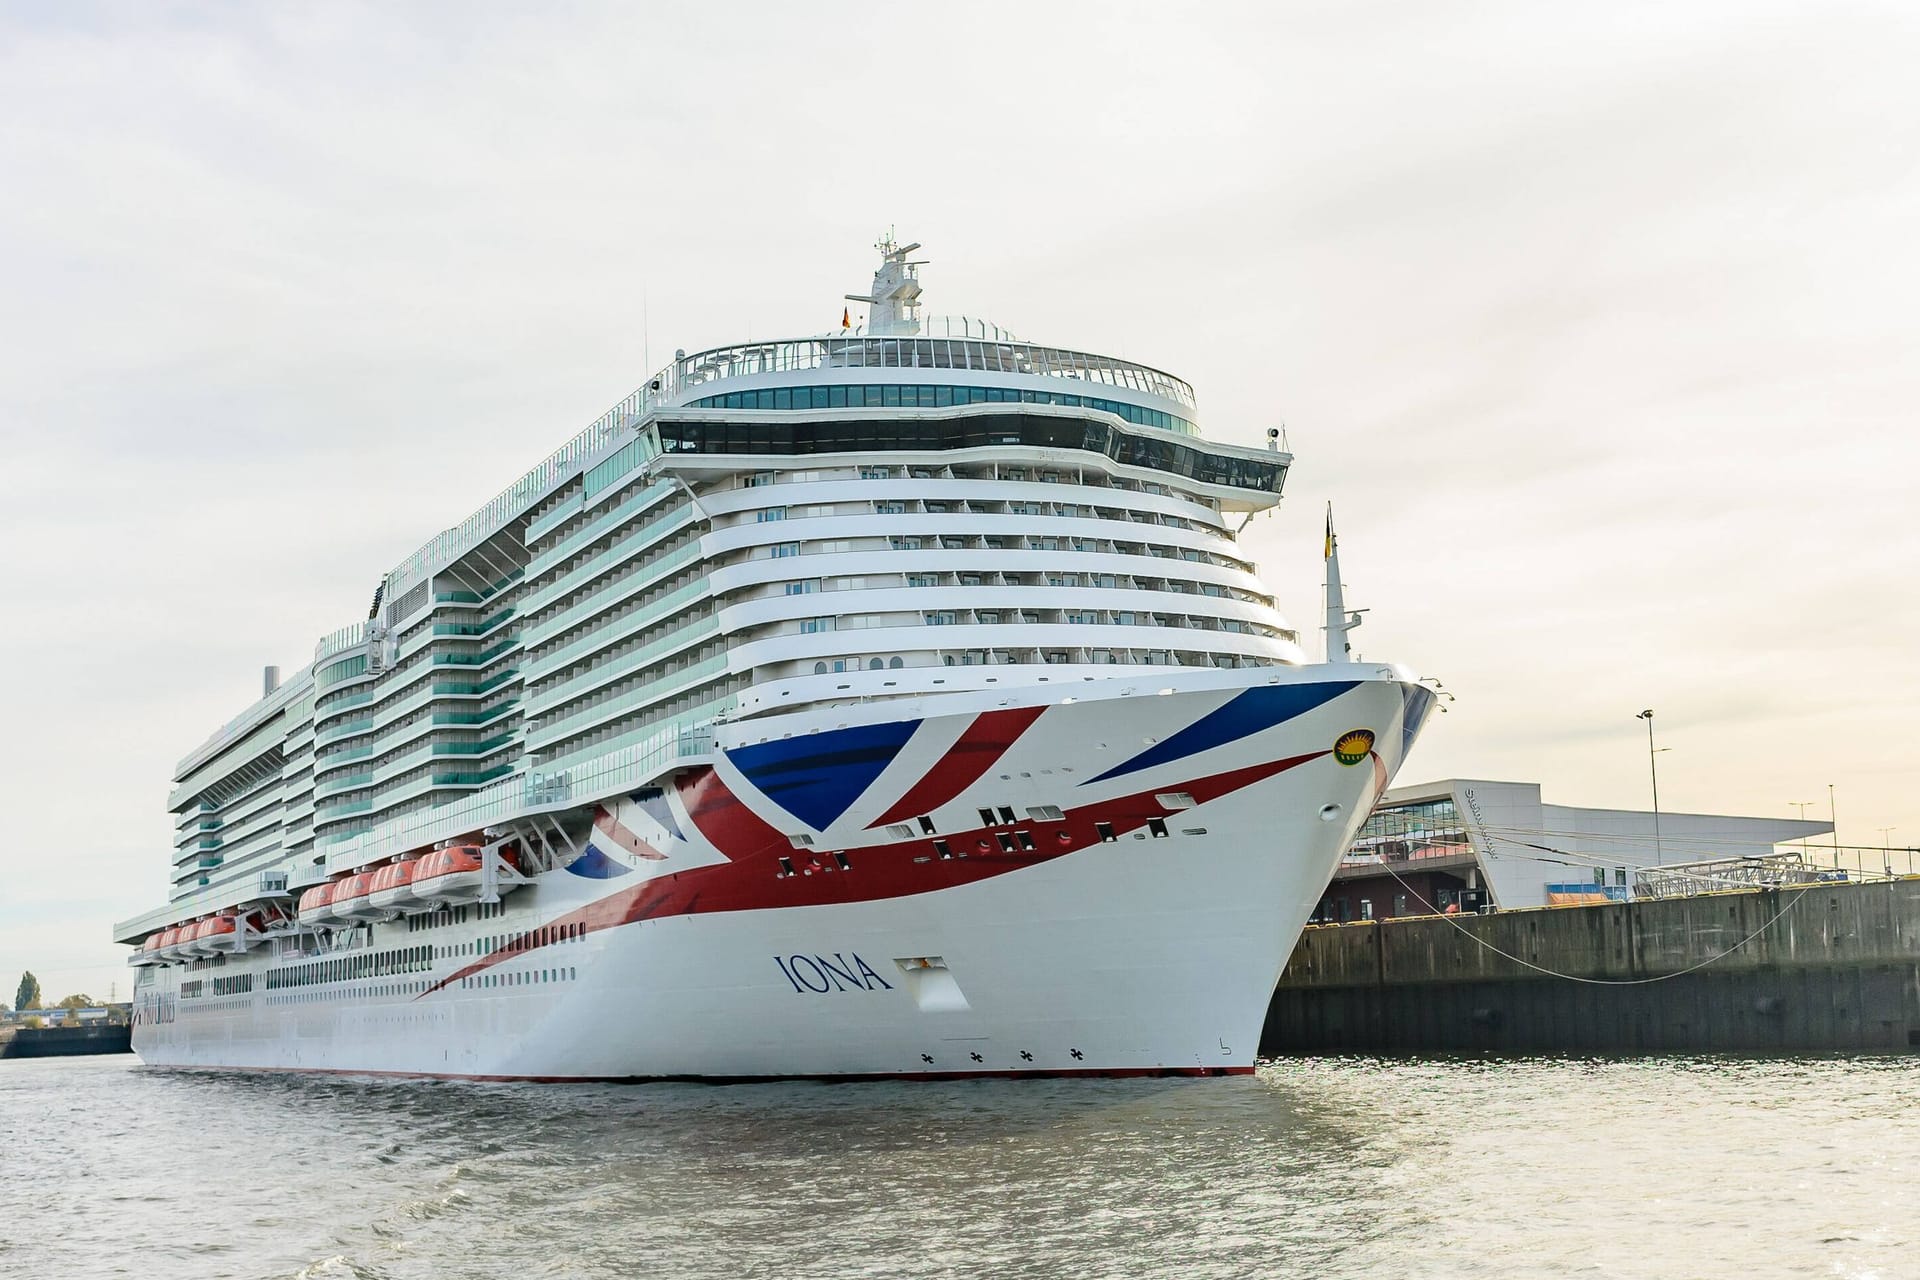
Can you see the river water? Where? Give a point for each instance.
(1320, 1168)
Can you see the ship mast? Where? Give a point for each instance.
(1339, 620)
(895, 296)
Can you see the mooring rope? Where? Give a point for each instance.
(1600, 982)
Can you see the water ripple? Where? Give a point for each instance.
(1327, 1168)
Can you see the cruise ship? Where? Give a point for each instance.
(895, 702)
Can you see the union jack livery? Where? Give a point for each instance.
(893, 702)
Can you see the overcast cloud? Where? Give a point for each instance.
(1596, 323)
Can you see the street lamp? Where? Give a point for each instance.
(1659, 858)
(1833, 820)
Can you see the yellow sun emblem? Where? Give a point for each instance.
(1353, 746)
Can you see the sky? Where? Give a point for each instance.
(1595, 324)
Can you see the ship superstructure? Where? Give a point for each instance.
(846, 655)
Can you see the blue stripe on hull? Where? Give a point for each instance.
(1245, 715)
(818, 777)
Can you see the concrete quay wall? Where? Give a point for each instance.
(1823, 967)
(68, 1042)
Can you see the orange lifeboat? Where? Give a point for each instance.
(149, 952)
(169, 944)
(391, 889)
(456, 874)
(195, 938)
(352, 899)
(316, 904)
(217, 934)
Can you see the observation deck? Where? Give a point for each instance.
(957, 344)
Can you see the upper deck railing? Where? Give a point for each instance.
(246, 722)
(446, 547)
(970, 345)
(340, 640)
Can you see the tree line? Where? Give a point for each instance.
(26, 997)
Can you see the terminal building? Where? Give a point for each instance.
(1468, 844)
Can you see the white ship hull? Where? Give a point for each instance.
(678, 944)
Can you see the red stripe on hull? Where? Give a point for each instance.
(752, 879)
(607, 825)
(723, 819)
(983, 743)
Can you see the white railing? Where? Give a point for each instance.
(1791, 865)
(976, 353)
(247, 721)
(339, 640)
(453, 543)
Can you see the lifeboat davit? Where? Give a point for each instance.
(457, 874)
(316, 904)
(352, 899)
(391, 889)
(268, 918)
